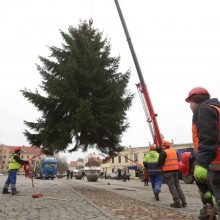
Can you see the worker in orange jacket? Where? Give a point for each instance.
(206, 139)
(168, 160)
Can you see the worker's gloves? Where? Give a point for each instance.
(200, 174)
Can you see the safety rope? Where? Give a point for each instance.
(28, 173)
(27, 169)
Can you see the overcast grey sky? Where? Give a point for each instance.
(177, 44)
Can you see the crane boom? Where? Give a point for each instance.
(142, 87)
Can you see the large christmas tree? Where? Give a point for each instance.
(86, 97)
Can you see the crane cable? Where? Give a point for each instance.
(133, 161)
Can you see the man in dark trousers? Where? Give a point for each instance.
(169, 162)
(206, 140)
(154, 171)
(68, 174)
(15, 163)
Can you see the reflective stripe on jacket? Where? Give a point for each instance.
(195, 138)
(171, 162)
(152, 163)
(13, 164)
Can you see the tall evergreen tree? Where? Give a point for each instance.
(86, 97)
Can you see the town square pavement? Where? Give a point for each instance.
(105, 199)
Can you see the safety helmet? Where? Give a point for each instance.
(153, 147)
(166, 144)
(184, 163)
(17, 149)
(197, 91)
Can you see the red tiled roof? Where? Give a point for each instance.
(73, 164)
(26, 150)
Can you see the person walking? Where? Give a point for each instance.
(206, 140)
(154, 171)
(124, 173)
(15, 163)
(68, 174)
(169, 162)
(71, 174)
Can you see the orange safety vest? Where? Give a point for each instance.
(171, 162)
(215, 164)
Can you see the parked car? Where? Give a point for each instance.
(20, 172)
(111, 176)
(114, 176)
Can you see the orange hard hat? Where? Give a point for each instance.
(166, 144)
(17, 149)
(197, 91)
(153, 147)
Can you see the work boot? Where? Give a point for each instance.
(207, 211)
(206, 217)
(157, 196)
(175, 205)
(184, 204)
(5, 191)
(15, 192)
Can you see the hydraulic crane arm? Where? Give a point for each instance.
(142, 87)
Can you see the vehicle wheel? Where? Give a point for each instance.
(188, 179)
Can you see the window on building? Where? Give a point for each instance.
(5, 156)
(119, 159)
(113, 160)
(126, 158)
(22, 157)
(135, 156)
(113, 170)
(28, 156)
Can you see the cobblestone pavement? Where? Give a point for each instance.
(101, 200)
(65, 204)
(133, 200)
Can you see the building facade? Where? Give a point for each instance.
(131, 157)
(27, 154)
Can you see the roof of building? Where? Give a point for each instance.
(73, 164)
(25, 150)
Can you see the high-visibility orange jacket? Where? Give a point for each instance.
(206, 134)
(171, 161)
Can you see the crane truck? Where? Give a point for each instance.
(145, 98)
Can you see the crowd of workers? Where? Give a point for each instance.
(203, 163)
(162, 162)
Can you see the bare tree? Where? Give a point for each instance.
(62, 164)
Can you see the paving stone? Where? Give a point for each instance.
(94, 200)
